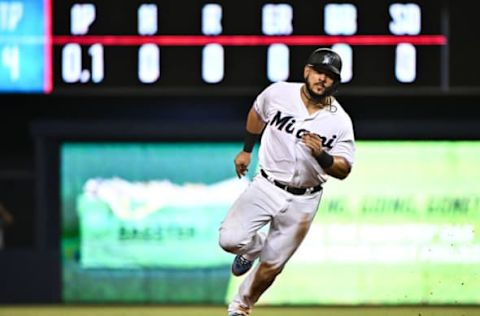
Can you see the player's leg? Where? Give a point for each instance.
(287, 231)
(239, 232)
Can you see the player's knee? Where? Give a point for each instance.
(230, 242)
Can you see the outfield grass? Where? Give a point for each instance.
(98, 310)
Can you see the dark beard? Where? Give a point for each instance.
(313, 95)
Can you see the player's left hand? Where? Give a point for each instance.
(314, 142)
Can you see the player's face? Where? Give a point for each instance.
(317, 82)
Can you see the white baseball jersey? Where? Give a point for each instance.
(282, 153)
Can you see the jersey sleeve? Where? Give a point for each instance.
(345, 145)
(261, 105)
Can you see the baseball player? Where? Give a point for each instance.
(307, 136)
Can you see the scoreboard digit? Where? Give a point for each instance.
(72, 65)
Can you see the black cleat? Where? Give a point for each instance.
(240, 266)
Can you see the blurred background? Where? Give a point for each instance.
(121, 119)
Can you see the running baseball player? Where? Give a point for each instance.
(307, 136)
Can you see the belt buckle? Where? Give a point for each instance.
(309, 190)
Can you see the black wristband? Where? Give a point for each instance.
(325, 160)
(249, 141)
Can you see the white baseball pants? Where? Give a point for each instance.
(289, 217)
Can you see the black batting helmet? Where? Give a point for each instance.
(325, 59)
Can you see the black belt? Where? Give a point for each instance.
(293, 190)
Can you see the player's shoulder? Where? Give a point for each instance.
(277, 90)
(337, 109)
(283, 86)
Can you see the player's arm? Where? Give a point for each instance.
(255, 124)
(335, 166)
(253, 129)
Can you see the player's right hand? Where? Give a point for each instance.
(241, 163)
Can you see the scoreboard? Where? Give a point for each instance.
(217, 47)
(24, 48)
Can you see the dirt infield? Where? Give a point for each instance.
(154, 310)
